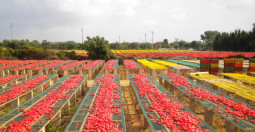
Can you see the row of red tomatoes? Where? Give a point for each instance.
(45, 105)
(21, 89)
(233, 107)
(170, 111)
(8, 78)
(32, 65)
(110, 64)
(17, 63)
(92, 64)
(100, 116)
(131, 64)
(56, 63)
(67, 66)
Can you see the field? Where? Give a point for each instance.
(143, 90)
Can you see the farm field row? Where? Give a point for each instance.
(158, 95)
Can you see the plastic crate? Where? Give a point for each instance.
(214, 65)
(202, 69)
(229, 69)
(229, 64)
(214, 69)
(229, 60)
(214, 60)
(204, 61)
(238, 60)
(205, 65)
(238, 64)
(238, 68)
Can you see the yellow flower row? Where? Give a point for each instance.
(241, 77)
(166, 63)
(205, 76)
(240, 89)
(153, 51)
(150, 64)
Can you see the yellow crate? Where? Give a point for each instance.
(238, 60)
(214, 65)
(229, 60)
(251, 64)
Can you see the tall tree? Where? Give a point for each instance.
(165, 43)
(98, 48)
(208, 37)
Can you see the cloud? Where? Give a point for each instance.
(62, 20)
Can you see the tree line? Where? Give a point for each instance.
(27, 52)
(239, 40)
(17, 44)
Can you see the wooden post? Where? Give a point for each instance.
(106, 71)
(208, 116)
(39, 89)
(30, 73)
(66, 109)
(29, 95)
(46, 71)
(153, 73)
(16, 72)
(230, 127)
(2, 73)
(80, 71)
(65, 72)
(90, 74)
(55, 72)
(23, 72)
(43, 129)
(160, 80)
(57, 120)
(40, 72)
(15, 103)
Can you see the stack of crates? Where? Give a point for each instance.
(204, 65)
(214, 66)
(238, 65)
(252, 65)
(229, 65)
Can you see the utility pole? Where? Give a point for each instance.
(152, 38)
(145, 37)
(82, 35)
(11, 26)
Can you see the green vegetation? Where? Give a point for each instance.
(238, 40)
(98, 48)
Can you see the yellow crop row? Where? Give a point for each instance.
(205, 76)
(166, 63)
(78, 51)
(151, 65)
(241, 77)
(240, 89)
(153, 51)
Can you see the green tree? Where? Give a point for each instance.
(208, 37)
(98, 48)
(165, 43)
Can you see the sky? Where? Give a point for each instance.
(129, 20)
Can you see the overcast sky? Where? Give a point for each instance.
(62, 20)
